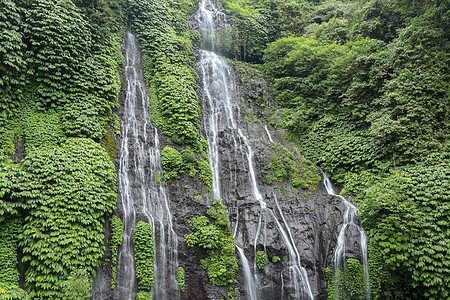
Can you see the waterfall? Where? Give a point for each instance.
(142, 195)
(222, 119)
(268, 134)
(349, 220)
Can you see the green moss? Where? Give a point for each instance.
(110, 144)
(116, 241)
(261, 260)
(287, 165)
(180, 278)
(144, 255)
(214, 235)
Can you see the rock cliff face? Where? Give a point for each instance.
(314, 217)
(292, 224)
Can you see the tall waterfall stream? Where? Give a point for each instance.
(221, 115)
(141, 195)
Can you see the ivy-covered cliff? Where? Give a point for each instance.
(358, 87)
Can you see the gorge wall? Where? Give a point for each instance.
(299, 221)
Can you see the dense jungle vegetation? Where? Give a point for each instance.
(362, 87)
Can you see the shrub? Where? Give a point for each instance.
(214, 235)
(261, 260)
(144, 254)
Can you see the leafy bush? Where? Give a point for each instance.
(261, 260)
(172, 162)
(349, 282)
(144, 254)
(12, 292)
(77, 286)
(214, 235)
(67, 191)
(180, 278)
(406, 216)
(143, 296)
(116, 241)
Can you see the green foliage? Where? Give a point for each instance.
(168, 61)
(359, 104)
(261, 260)
(347, 283)
(406, 217)
(157, 178)
(12, 62)
(286, 164)
(189, 160)
(214, 235)
(180, 278)
(175, 162)
(77, 286)
(275, 259)
(67, 192)
(43, 131)
(172, 162)
(144, 254)
(65, 84)
(251, 31)
(116, 241)
(12, 292)
(9, 243)
(143, 296)
(205, 173)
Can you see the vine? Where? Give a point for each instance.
(144, 255)
(214, 235)
(180, 278)
(261, 260)
(116, 241)
(68, 191)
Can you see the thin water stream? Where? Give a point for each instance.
(349, 221)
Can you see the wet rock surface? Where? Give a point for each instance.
(311, 217)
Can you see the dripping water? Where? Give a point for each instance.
(268, 134)
(349, 221)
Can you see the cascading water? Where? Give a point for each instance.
(349, 220)
(141, 194)
(221, 115)
(268, 134)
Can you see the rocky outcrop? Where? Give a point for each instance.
(310, 219)
(313, 217)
